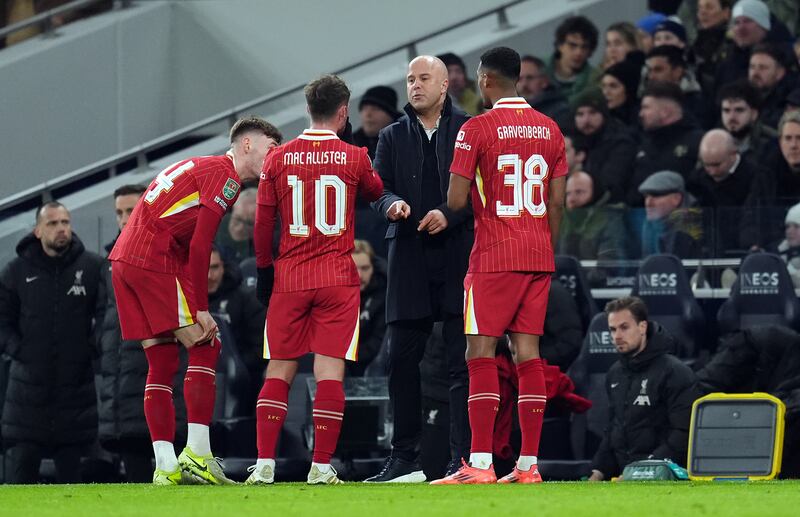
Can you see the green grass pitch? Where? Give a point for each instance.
(355, 499)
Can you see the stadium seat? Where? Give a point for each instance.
(763, 294)
(588, 372)
(662, 283)
(570, 272)
(249, 272)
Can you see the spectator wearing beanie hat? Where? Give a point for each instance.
(377, 109)
(620, 84)
(609, 146)
(752, 24)
(670, 32)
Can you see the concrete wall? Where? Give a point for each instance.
(114, 81)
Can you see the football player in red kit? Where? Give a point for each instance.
(160, 276)
(512, 160)
(312, 183)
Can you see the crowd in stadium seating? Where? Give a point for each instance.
(685, 140)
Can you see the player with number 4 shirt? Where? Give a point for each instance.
(160, 276)
(313, 288)
(511, 159)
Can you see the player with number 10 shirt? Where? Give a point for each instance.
(313, 288)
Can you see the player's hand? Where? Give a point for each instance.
(434, 222)
(398, 210)
(266, 280)
(208, 326)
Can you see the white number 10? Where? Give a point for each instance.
(298, 228)
(535, 171)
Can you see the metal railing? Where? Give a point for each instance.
(44, 21)
(139, 153)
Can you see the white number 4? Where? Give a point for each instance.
(298, 228)
(524, 192)
(166, 180)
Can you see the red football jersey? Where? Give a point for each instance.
(510, 153)
(313, 180)
(161, 226)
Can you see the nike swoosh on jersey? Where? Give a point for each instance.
(614, 384)
(29, 279)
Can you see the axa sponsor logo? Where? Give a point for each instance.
(760, 282)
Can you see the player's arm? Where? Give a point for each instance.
(205, 229)
(389, 205)
(555, 206)
(266, 210)
(370, 185)
(458, 192)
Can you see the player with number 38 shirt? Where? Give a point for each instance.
(512, 161)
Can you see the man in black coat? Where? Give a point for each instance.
(650, 394)
(428, 254)
(722, 185)
(123, 372)
(610, 148)
(51, 295)
(670, 140)
(563, 330)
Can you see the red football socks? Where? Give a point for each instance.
(159, 410)
(483, 402)
(530, 405)
(271, 411)
(328, 414)
(199, 387)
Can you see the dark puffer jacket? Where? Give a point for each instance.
(123, 372)
(650, 402)
(48, 306)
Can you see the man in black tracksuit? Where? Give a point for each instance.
(650, 394)
(428, 254)
(51, 295)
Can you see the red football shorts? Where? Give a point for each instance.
(151, 304)
(323, 321)
(495, 303)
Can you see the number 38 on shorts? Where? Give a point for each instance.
(527, 183)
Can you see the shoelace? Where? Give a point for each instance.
(386, 466)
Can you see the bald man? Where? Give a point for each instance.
(429, 248)
(237, 233)
(722, 184)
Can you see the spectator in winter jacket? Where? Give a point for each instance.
(739, 104)
(123, 371)
(568, 67)
(535, 87)
(51, 296)
(650, 393)
(372, 323)
(230, 301)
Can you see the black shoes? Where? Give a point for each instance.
(396, 470)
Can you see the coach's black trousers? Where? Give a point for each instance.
(406, 342)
